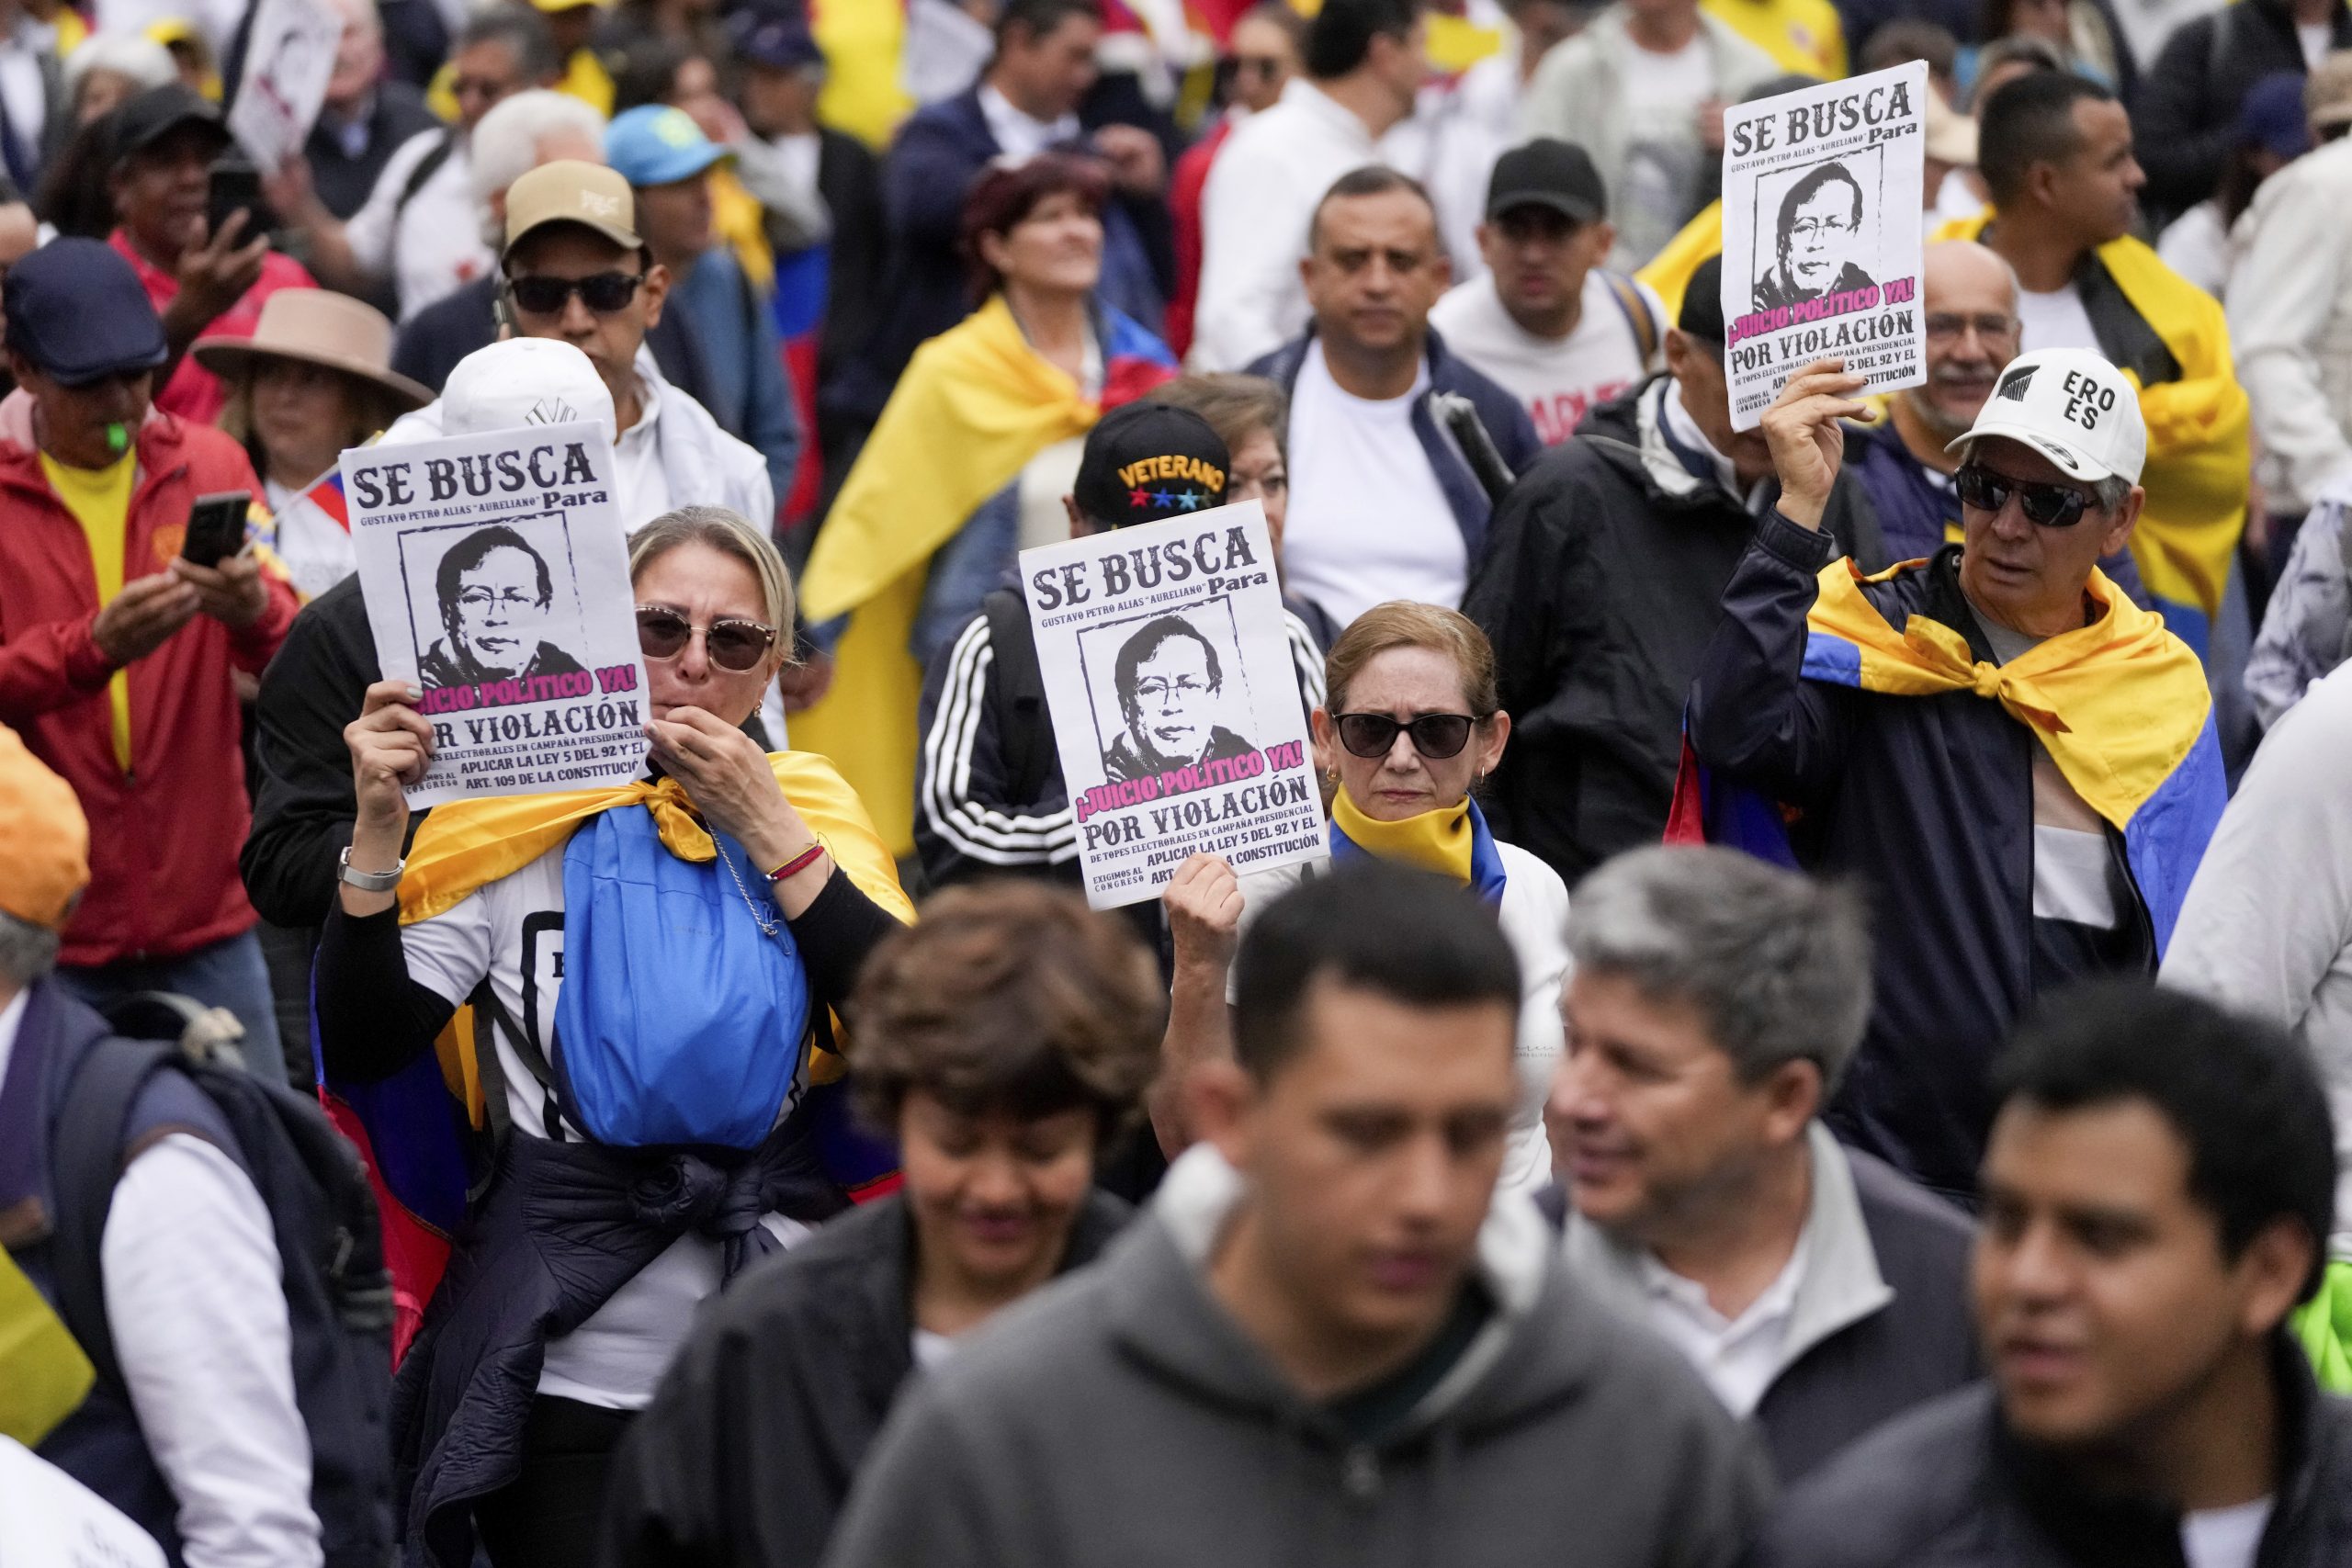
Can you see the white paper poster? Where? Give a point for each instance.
(1821, 234)
(496, 576)
(1174, 703)
(287, 61)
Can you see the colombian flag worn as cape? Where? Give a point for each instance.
(2199, 452)
(975, 405)
(414, 1126)
(2120, 705)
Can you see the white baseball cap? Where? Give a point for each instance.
(2071, 406)
(525, 381)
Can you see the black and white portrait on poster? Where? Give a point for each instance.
(496, 577)
(1823, 231)
(1168, 672)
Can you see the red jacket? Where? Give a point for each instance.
(193, 392)
(1184, 190)
(163, 836)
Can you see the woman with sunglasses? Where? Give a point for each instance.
(651, 970)
(1410, 724)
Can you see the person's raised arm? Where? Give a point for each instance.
(1204, 902)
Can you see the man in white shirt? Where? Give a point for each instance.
(1384, 502)
(1545, 319)
(1714, 1002)
(202, 1444)
(422, 225)
(1642, 89)
(1364, 63)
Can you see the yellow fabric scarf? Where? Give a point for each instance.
(975, 405)
(2118, 703)
(1437, 840)
(2199, 453)
(44, 1376)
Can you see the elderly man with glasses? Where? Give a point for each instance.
(2014, 761)
(1970, 297)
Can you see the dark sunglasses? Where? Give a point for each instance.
(2045, 506)
(732, 644)
(604, 293)
(1436, 736)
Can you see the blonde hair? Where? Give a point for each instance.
(729, 534)
(1400, 623)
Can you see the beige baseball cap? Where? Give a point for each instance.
(2328, 91)
(572, 191)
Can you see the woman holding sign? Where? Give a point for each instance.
(1411, 724)
(654, 967)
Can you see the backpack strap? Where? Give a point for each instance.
(88, 1154)
(1637, 309)
(1024, 733)
(426, 167)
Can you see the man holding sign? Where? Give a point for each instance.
(1932, 721)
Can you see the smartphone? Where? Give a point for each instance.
(236, 188)
(216, 527)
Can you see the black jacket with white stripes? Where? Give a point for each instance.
(968, 823)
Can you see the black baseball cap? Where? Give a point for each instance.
(75, 309)
(1145, 462)
(775, 36)
(1703, 305)
(1548, 173)
(145, 119)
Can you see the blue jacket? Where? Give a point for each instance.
(1917, 509)
(939, 152)
(1505, 418)
(1926, 802)
(742, 361)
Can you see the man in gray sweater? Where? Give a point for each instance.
(1330, 1341)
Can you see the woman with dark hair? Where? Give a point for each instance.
(990, 413)
(1004, 1040)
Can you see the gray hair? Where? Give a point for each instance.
(27, 951)
(1776, 965)
(521, 30)
(505, 144)
(134, 55)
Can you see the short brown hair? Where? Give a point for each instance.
(1235, 406)
(1005, 194)
(1401, 623)
(1010, 996)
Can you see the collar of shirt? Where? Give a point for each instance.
(1738, 1357)
(12, 1017)
(1018, 133)
(649, 414)
(354, 134)
(1689, 441)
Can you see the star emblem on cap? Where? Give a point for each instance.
(1139, 498)
(1163, 498)
(1192, 500)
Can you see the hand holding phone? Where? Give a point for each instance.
(215, 527)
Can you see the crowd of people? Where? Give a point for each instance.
(1817, 1029)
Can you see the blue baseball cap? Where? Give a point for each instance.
(654, 144)
(76, 310)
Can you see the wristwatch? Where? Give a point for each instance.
(369, 881)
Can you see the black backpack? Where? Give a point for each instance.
(338, 1293)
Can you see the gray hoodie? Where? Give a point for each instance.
(1121, 1418)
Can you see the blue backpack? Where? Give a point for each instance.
(685, 1006)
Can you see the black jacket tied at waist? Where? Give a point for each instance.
(561, 1228)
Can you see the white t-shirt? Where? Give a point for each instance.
(643, 484)
(1534, 918)
(1737, 1356)
(317, 549)
(2073, 866)
(2056, 320)
(1662, 154)
(1558, 380)
(2197, 246)
(1368, 522)
(435, 246)
(510, 933)
(2224, 1537)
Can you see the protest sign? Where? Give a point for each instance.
(287, 61)
(1822, 227)
(496, 576)
(1175, 707)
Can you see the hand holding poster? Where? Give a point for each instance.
(1822, 229)
(1174, 704)
(496, 576)
(290, 55)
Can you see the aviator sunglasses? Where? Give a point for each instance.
(732, 644)
(1436, 736)
(2044, 505)
(603, 292)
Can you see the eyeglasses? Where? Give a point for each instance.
(1436, 736)
(733, 643)
(603, 292)
(478, 600)
(1944, 325)
(1159, 689)
(2044, 505)
(1819, 227)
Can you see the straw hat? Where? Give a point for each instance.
(318, 326)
